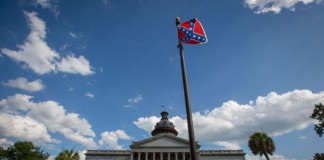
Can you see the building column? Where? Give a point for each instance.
(153, 155)
(168, 155)
(132, 155)
(183, 155)
(176, 155)
(139, 156)
(161, 155)
(146, 156)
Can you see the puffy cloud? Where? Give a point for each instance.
(146, 123)
(133, 101)
(15, 104)
(30, 120)
(24, 128)
(79, 138)
(265, 6)
(228, 145)
(22, 83)
(5, 143)
(276, 113)
(36, 55)
(48, 4)
(110, 139)
(71, 64)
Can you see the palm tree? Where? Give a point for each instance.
(68, 155)
(260, 143)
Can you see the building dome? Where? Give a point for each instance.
(164, 126)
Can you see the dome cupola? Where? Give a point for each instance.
(164, 126)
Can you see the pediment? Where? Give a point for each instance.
(162, 141)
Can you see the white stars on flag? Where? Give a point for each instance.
(192, 36)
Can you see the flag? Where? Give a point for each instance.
(192, 32)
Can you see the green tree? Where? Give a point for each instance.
(68, 155)
(318, 114)
(260, 143)
(23, 151)
(319, 156)
(2, 153)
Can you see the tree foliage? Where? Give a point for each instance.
(318, 114)
(260, 143)
(68, 155)
(319, 156)
(23, 151)
(2, 153)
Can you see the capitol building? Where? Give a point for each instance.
(163, 145)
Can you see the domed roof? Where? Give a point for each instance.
(164, 126)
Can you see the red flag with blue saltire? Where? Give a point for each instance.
(192, 32)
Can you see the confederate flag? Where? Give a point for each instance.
(192, 32)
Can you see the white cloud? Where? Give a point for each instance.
(276, 113)
(88, 94)
(74, 65)
(24, 128)
(136, 99)
(74, 35)
(147, 123)
(265, 6)
(48, 4)
(5, 143)
(36, 55)
(30, 120)
(133, 101)
(22, 83)
(272, 157)
(110, 139)
(228, 145)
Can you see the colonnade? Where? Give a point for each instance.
(160, 156)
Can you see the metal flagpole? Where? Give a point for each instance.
(192, 141)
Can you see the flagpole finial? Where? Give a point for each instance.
(177, 21)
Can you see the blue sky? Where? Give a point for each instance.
(94, 74)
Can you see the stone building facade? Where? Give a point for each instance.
(163, 145)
